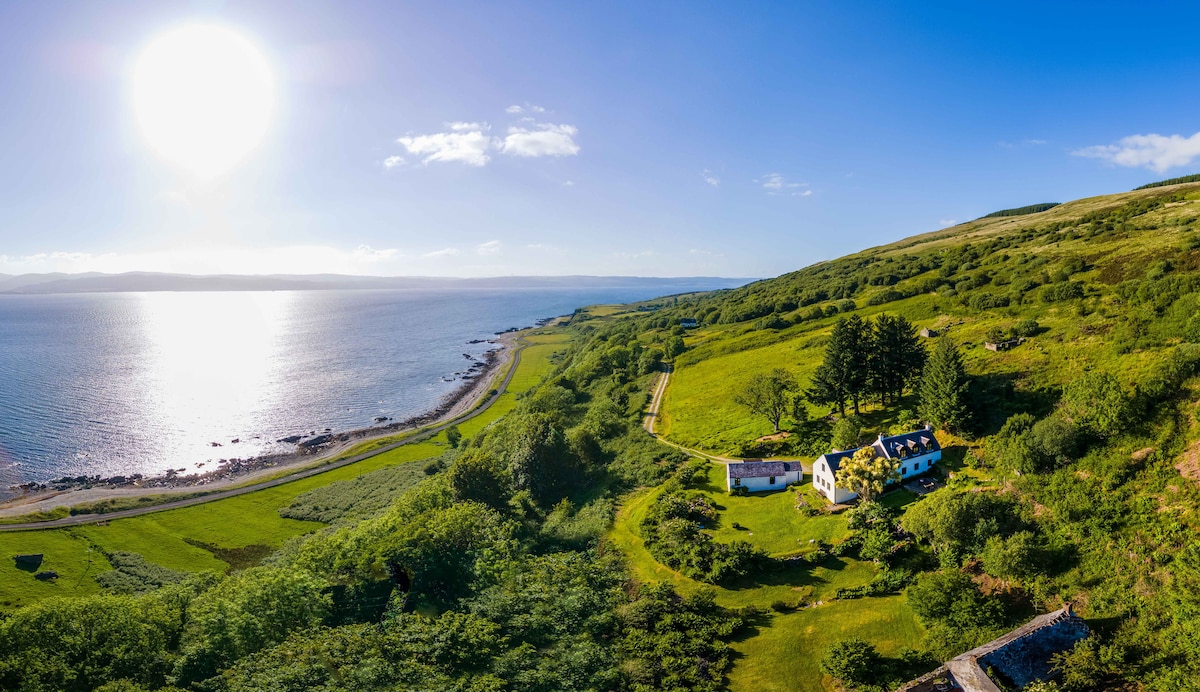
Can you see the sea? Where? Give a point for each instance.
(122, 383)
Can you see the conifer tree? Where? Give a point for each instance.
(944, 387)
(843, 374)
(896, 357)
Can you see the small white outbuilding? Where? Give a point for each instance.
(755, 476)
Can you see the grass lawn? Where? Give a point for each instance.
(785, 653)
(769, 520)
(782, 650)
(233, 532)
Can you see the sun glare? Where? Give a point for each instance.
(203, 97)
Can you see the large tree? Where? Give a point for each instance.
(866, 473)
(944, 387)
(769, 394)
(896, 358)
(844, 373)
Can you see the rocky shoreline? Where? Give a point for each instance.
(476, 381)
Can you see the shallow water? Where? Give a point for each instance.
(122, 383)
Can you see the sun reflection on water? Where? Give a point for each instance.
(210, 360)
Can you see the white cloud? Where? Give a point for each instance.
(470, 142)
(710, 178)
(704, 253)
(469, 147)
(776, 184)
(545, 139)
(444, 252)
(568, 183)
(946, 223)
(491, 247)
(1156, 152)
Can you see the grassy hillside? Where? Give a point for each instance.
(561, 548)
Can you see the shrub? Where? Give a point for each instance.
(851, 660)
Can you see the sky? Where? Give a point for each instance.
(741, 139)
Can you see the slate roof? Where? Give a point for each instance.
(834, 459)
(761, 469)
(1018, 658)
(916, 443)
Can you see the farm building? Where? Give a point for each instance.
(763, 475)
(917, 451)
(1011, 662)
(688, 323)
(1003, 345)
(929, 333)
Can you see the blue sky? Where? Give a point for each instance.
(663, 138)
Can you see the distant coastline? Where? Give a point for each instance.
(134, 282)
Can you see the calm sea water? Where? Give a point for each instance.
(123, 383)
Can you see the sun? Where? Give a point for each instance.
(203, 97)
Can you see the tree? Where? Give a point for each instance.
(944, 387)
(480, 476)
(844, 373)
(846, 433)
(674, 347)
(769, 395)
(453, 436)
(1097, 403)
(896, 358)
(247, 613)
(540, 460)
(851, 660)
(866, 473)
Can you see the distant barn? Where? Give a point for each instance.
(929, 333)
(689, 323)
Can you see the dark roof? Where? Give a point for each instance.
(1021, 656)
(916, 442)
(761, 469)
(834, 459)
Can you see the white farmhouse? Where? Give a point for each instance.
(763, 475)
(917, 452)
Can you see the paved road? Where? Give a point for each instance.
(660, 389)
(79, 519)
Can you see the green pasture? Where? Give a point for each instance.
(222, 534)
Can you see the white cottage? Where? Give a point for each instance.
(763, 475)
(917, 452)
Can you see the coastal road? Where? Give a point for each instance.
(660, 390)
(425, 434)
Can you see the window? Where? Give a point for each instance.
(929, 463)
(771, 481)
(903, 470)
(737, 481)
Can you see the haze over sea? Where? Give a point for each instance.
(123, 383)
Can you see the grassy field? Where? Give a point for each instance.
(224, 534)
(782, 650)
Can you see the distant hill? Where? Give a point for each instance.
(1022, 211)
(151, 281)
(1171, 181)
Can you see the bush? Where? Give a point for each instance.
(851, 660)
(1068, 290)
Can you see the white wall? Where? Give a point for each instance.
(760, 483)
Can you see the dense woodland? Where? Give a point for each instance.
(487, 568)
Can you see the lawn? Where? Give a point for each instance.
(780, 651)
(225, 533)
(769, 520)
